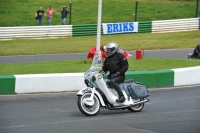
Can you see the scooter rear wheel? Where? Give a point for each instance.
(137, 108)
(86, 109)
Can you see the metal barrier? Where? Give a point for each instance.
(175, 25)
(35, 31)
(162, 26)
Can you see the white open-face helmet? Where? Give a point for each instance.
(111, 48)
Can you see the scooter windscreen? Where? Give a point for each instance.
(96, 63)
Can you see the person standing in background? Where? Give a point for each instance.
(50, 12)
(64, 13)
(39, 13)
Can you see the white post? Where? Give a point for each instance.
(97, 60)
(99, 25)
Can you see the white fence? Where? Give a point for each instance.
(175, 25)
(35, 31)
(162, 26)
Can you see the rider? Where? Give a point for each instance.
(196, 53)
(117, 64)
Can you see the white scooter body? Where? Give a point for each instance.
(111, 94)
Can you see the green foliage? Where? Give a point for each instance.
(22, 12)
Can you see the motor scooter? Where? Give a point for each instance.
(100, 94)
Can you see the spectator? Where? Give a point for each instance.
(39, 13)
(64, 13)
(50, 12)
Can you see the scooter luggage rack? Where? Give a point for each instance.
(140, 102)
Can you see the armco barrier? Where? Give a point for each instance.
(144, 27)
(160, 26)
(85, 30)
(35, 31)
(36, 83)
(175, 25)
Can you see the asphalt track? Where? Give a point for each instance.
(170, 53)
(168, 111)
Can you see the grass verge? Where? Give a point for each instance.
(127, 42)
(22, 12)
(74, 66)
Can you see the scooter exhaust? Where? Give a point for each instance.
(140, 102)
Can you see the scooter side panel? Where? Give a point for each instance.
(112, 95)
(108, 92)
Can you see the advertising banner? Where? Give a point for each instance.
(123, 27)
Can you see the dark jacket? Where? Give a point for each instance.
(116, 63)
(196, 52)
(64, 13)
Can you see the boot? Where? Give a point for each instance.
(121, 98)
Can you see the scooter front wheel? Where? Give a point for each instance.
(137, 108)
(87, 109)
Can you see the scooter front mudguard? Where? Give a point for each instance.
(88, 89)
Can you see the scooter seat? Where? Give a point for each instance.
(125, 81)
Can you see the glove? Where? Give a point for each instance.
(114, 75)
(102, 72)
